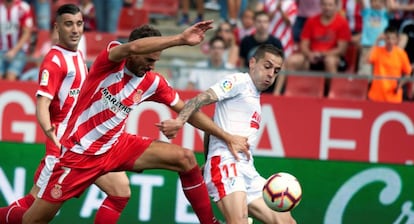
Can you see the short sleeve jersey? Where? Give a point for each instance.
(237, 111)
(61, 76)
(110, 93)
(324, 37)
(12, 20)
(374, 24)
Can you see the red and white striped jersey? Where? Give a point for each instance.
(12, 20)
(278, 27)
(61, 76)
(110, 93)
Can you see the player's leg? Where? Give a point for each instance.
(161, 155)
(116, 186)
(233, 207)
(258, 208)
(41, 212)
(260, 211)
(14, 212)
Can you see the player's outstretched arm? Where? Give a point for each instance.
(193, 35)
(190, 112)
(43, 118)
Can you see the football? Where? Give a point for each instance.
(282, 192)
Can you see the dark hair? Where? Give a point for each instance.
(267, 48)
(259, 13)
(143, 31)
(391, 29)
(215, 39)
(67, 8)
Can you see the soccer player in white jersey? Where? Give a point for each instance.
(231, 178)
(62, 73)
(95, 141)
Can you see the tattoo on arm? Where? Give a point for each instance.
(193, 105)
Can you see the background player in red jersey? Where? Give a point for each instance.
(62, 74)
(95, 141)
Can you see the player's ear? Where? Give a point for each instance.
(252, 62)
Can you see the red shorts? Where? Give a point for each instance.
(51, 150)
(74, 173)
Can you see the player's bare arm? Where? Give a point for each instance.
(190, 112)
(43, 117)
(190, 36)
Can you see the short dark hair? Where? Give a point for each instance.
(259, 13)
(391, 29)
(67, 8)
(267, 48)
(215, 39)
(143, 31)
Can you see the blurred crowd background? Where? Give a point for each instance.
(354, 49)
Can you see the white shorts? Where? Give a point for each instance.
(225, 177)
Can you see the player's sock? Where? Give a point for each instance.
(24, 202)
(196, 192)
(14, 212)
(110, 210)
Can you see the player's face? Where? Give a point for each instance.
(265, 70)
(70, 30)
(140, 64)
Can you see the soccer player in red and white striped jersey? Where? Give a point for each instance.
(62, 73)
(95, 141)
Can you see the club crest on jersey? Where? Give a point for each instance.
(226, 85)
(56, 191)
(44, 79)
(137, 96)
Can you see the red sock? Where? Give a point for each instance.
(196, 192)
(13, 213)
(110, 210)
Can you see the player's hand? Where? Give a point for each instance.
(238, 144)
(170, 127)
(195, 34)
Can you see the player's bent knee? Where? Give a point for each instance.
(114, 184)
(187, 160)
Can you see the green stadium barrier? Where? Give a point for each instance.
(334, 192)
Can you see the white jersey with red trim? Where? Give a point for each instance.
(12, 20)
(61, 76)
(110, 93)
(237, 111)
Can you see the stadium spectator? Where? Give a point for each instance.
(209, 71)
(390, 63)
(352, 10)
(323, 43)
(119, 80)
(246, 26)
(231, 53)
(107, 14)
(282, 16)
(185, 16)
(88, 11)
(306, 9)
(250, 43)
(42, 14)
(15, 33)
(232, 180)
(401, 10)
(375, 20)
